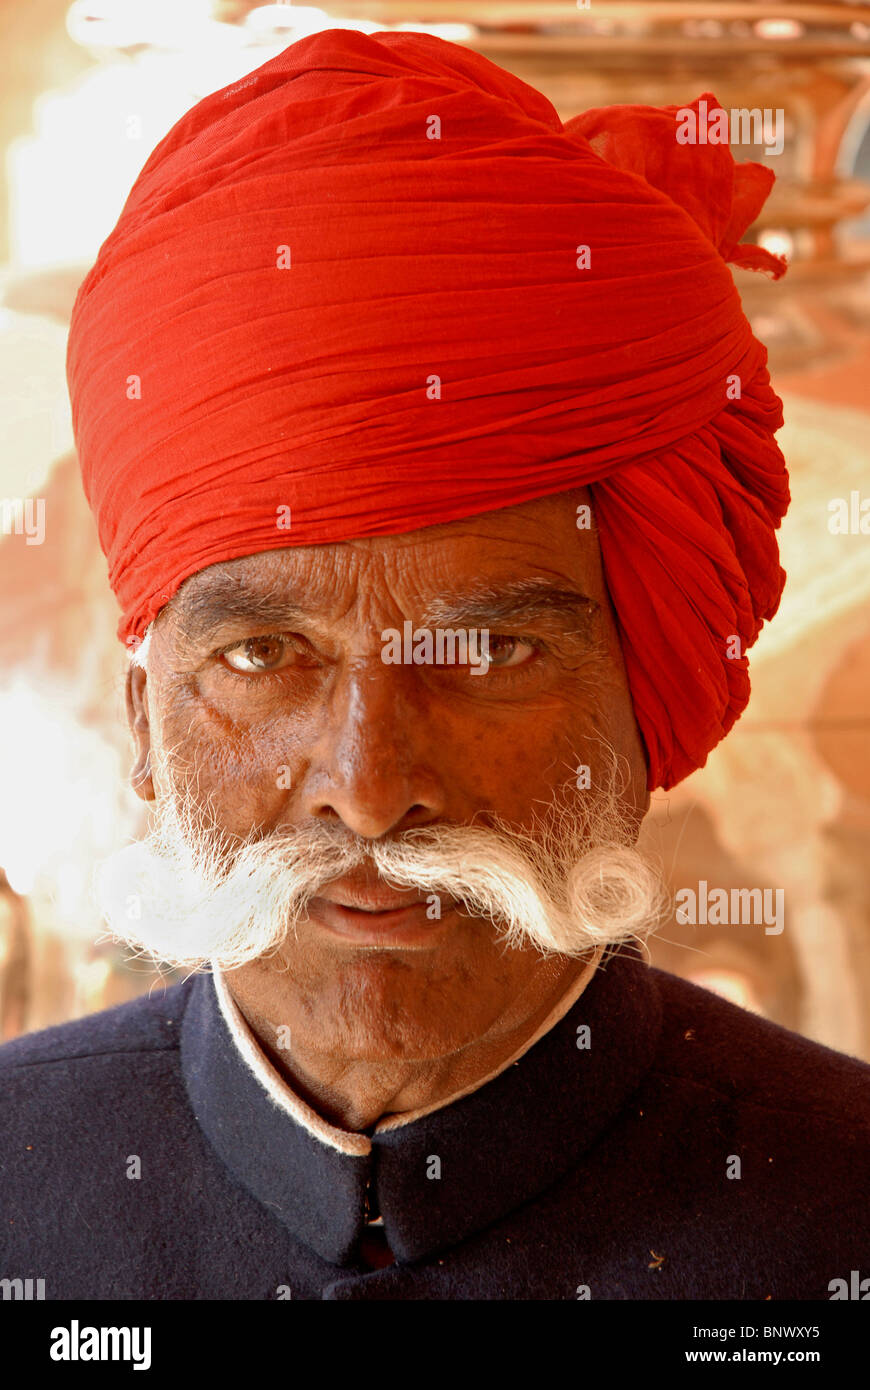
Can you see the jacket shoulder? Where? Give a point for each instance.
(147, 1024)
(740, 1055)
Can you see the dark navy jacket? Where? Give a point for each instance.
(608, 1172)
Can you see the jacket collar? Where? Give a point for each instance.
(492, 1149)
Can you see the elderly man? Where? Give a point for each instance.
(434, 462)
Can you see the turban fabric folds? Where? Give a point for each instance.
(380, 283)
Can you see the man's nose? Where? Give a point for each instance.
(377, 767)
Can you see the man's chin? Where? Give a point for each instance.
(381, 1004)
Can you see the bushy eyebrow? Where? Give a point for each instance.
(224, 599)
(531, 599)
(204, 611)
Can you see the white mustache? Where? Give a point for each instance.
(188, 897)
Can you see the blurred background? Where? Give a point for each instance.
(88, 90)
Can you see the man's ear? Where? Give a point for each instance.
(137, 718)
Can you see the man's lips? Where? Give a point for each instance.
(377, 915)
(375, 897)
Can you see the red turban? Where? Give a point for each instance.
(309, 249)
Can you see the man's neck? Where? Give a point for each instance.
(356, 1095)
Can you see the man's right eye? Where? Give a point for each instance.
(260, 654)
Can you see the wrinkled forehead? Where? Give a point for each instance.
(537, 561)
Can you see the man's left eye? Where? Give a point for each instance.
(260, 654)
(513, 647)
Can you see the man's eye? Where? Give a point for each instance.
(260, 654)
(513, 651)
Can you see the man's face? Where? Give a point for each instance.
(313, 726)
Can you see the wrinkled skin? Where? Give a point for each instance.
(382, 748)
